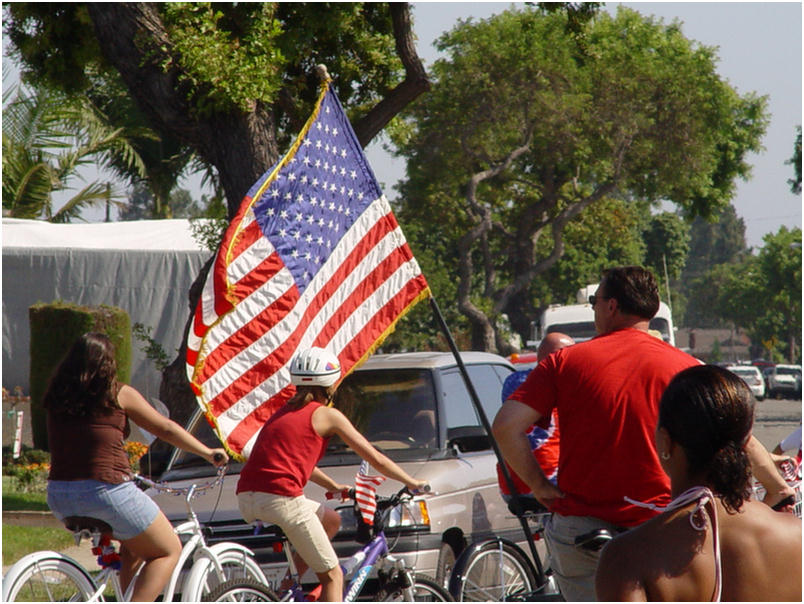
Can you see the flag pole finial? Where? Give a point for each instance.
(322, 73)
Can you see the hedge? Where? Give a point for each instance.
(54, 329)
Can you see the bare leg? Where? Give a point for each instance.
(159, 547)
(331, 585)
(331, 523)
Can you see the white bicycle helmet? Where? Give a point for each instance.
(315, 367)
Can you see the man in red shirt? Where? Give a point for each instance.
(606, 392)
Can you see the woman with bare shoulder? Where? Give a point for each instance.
(712, 542)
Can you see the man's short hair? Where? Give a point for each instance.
(634, 288)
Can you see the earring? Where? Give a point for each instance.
(665, 455)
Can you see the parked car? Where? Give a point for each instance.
(751, 376)
(416, 408)
(785, 380)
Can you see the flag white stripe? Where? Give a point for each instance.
(275, 336)
(223, 378)
(356, 232)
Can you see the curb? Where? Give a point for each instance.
(28, 518)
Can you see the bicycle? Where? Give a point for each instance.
(498, 570)
(397, 582)
(51, 576)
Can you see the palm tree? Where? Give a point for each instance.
(47, 138)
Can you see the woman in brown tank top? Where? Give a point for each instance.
(87, 419)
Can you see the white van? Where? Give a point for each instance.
(578, 320)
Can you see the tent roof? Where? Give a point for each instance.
(133, 235)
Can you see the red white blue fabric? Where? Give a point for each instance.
(314, 257)
(366, 493)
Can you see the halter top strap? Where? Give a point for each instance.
(704, 497)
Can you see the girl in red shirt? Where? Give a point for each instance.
(284, 458)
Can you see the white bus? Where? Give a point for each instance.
(578, 320)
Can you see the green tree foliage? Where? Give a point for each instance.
(526, 127)
(763, 294)
(795, 161)
(47, 138)
(713, 242)
(231, 82)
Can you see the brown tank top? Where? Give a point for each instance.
(89, 447)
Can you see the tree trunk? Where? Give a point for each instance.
(241, 146)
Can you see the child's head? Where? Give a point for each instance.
(315, 373)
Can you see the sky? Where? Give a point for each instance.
(760, 51)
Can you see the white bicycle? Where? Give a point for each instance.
(48, 576)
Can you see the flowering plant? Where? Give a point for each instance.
(135, 451)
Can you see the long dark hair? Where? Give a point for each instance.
(709, 411)
(85, 380)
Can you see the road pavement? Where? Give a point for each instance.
(775, 419)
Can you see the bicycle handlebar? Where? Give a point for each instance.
(191, 491)
(350, 494)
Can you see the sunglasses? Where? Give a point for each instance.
(593, 299)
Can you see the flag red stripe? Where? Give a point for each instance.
(280, 355)
(240, 436)
(366, 337)
(270, 316)
(365, 288)
(373, 329)
(257, 277)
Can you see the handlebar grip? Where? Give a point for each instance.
(345, 494)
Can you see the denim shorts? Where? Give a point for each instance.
(127, 509)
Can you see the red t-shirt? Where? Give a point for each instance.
(607, 393)
(285, 453)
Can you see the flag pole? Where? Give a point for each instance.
(487, 426)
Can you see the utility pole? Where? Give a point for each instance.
(667, 283)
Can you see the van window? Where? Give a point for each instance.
(662, 326)
(458, 407)
(580, 331)
(392, 408)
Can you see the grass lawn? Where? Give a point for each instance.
(16, 500)
(21, 540)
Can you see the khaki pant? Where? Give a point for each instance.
(299, 518)
(573, 568)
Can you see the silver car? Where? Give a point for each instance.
(416, 408)
(751, 376)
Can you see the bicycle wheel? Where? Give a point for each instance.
(493, 571)
(47, 577)
(203, 579)
(241, 590)
(425, 589)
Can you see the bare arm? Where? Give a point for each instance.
(765, 472)
(325, 482)
(328, 421)
(141, 413)
(509, 430)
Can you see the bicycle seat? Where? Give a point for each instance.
(594, 540)
(85, 523)
(528, 505)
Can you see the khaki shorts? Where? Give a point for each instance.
(299, 518)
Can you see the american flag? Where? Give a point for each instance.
(314, 257)
(366, 492)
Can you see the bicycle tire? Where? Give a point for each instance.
(425, 589)
(202, 578)
(493, 571)
(241, 590)
(47, 577)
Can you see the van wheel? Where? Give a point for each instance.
(446, 562)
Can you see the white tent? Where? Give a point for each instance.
(145, 267)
